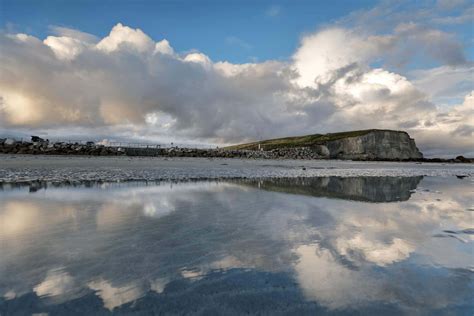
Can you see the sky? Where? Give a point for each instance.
(222, 72)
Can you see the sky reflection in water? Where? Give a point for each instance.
(334, 245)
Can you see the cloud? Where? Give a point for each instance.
(273, 11)
(66, 48)
(449, 4)
(323, 52)
(73, 33)
(337, 47)
(133, 86)
(385, 16)
(235, 41)
(123, 37)
(439, 45)
(163, 47)
(445, 85)
(442, 127)
(467, 16)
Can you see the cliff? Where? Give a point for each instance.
(360, 145)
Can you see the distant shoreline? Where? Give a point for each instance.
(39, 146)
(225, 154)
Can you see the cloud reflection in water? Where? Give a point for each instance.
(363, 244)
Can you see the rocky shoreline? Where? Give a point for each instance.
(42, 147)
(39, 146)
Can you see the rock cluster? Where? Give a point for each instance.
(44, 147)
(281, 153)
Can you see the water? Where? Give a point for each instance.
(329, 245)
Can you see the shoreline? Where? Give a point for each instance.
(27, 168)
(221, 154)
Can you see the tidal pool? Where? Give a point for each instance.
(328, 245)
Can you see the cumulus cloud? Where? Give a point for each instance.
(65, 48)
(127, 81)
(73, 33)
(164, 47)
(125, 37)
(329, 49)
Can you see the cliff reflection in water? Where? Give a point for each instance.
(229, 247)
(369, 189)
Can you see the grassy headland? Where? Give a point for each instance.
(299, 141)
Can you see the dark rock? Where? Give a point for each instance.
(37, 139)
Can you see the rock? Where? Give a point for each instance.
(9, 142)
(464, 159)
(36, 139)
(322, 151)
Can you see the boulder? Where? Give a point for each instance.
(36, 139)
(9, 142)
(322, 150)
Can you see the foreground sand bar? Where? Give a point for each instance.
(24, 168)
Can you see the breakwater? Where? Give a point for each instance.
(41, 147)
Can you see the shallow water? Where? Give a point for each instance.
(333, 245)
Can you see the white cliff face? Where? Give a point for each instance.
(375, 144)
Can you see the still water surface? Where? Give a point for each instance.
(370, 245)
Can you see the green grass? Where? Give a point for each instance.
(300, 141)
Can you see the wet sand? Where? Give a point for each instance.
(25, 168)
